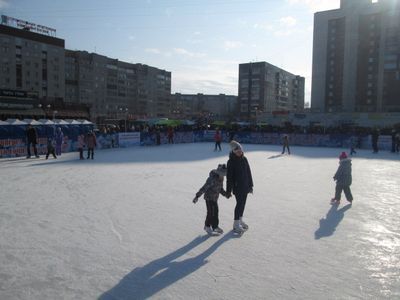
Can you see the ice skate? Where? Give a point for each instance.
(208, 229)
(237, 228)
(243, 224)
(218, 231)
(334, 201)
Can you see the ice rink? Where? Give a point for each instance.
(123, 226)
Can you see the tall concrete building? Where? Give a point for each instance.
(217, 107)
(31, 64)
(115, 89)
(266, 88)
(356, 57)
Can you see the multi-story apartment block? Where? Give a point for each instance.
(188, 106)
(356, 57)
(115, 89)
(31, 62)
(266, 88)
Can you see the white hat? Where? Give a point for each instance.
(236, 146)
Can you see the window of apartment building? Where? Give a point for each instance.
(244, 83)
(371, 60)
(18, 76)
(18, 50)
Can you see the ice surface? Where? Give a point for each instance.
(123, 226)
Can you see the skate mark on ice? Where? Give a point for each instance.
(115, 231)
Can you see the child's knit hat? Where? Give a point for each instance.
(221, 170)
(343, 155)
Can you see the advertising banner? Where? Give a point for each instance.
(129, 139)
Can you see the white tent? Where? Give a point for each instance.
(72, 122)
(85, 122)
(32, 122)
(60, 122)
(15, 122)
(46, 122)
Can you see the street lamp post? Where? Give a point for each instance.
(126, 115)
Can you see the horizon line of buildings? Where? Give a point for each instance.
(355, 69)
(40, 77)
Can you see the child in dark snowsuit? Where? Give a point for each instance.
(285, 144)
(211, 190)
(343, 179)
(50, 148)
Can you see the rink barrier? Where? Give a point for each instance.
(15, 146)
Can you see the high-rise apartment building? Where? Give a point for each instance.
(356, 57)
(188, 106)
(115, 89)
(31, 60)
(266, 88)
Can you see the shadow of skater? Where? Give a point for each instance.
(144, 282)
(275, 156)
(328, 225)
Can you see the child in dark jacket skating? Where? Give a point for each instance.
(211, 190)
(343, 179)
(50, 148)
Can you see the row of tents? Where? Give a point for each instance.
(16, 129)
(34, 122)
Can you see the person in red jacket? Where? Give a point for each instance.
(217, 139)
(170, 135)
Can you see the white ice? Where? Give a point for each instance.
(123, 226)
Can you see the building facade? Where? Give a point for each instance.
(31, 67)
(356, 57)
(194, 106)
(266, 88)
(115, 89)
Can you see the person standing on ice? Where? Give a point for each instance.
(50, 148)
(217, 139)
(90, 143)
(81, 145)
(343, 179)
(240, 182)
(31, 137)
(59, 140)
(285, 144)
(211, 190)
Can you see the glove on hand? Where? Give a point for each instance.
(195, 200)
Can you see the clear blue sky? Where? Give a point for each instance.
(201, 42)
